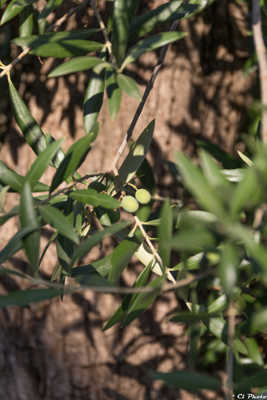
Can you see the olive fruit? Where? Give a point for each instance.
(143, 196)
(129, 204)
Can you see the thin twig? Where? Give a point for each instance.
(102, 27)
(167, 287)
(261, 54)
(140, 107)
(56, 25)
(152, 248)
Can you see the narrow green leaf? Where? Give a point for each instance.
(16, 181)
(170, 11)
(212, 171)
(193, 241)
(3, 193)
(113, 93)
(75, 65)
(128, 300)
(254, 352)
(144, 23)
(257, 380)
(151, 43)
(228, 268)
(65, 248)
(24, 297)
(188, 380)
(10, 178)
(253, 248)
(42, 161)
(85, 246)
(59, 44)
(199, 186)
(14, 244)
(129, 86)
(93, 100)
(190, 317)
(248, 193)
(120, 29)
(218, 305)
(26, 21)
(120, 258)
(103, 265)
(13, 9)
(165, 233)
(227, 161)
(32, 132)
(72, 161)
(259, 321)
(66, 48)
(28, 219)
(59, 221)
(95, 199)
(136, 155)
(142, 301)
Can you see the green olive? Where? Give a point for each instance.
(143, 196)
(129, 204)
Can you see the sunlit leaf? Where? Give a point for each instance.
(26, 21)
(129, 86)
(93, 100)
(13, 9)
(228, 267)
(95, 199)
(59, 44)
(75, 65)
(199, 186)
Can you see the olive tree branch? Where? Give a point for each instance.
(102, 27)
(261, 54)
(166, 287)
(142, 103)
(152, 248)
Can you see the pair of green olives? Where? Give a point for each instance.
(131, 204)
